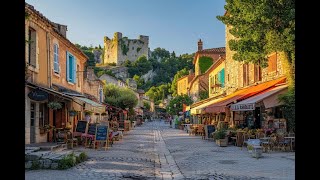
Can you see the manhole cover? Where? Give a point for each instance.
(227, 162)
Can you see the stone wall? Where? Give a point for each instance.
(119, 49)
(232, 70)
(182, 85)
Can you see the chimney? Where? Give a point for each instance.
(190, 72)
(62, 29)
(200, 47)
(90, 73)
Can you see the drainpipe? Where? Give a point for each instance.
(48, 60)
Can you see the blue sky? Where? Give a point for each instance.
(175, 25)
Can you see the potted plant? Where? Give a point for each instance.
(54, 105)
(88, 113)
(45, 129)
(221, 138)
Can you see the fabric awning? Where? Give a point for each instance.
(91, 105)
(242, 94)
(270, 94)
(198, 109)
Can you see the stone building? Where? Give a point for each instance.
(200, 81)
(54, 75)
(183, 83)
(112, 80)
(119, 49)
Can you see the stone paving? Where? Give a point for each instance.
(155, 151)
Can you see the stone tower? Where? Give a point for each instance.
(119, 49)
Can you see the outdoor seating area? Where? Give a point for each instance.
(244, 138)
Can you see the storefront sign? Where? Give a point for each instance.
(242, 107)
(38, 95)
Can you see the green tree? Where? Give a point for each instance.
(160, 53)
(203, 94)
(120, 97)
(146, 105)
(176, 104)
(178, 75)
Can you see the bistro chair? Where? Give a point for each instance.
(239, 139)
(273, 143)
(246, 136)
(282, 143)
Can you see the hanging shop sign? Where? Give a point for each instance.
(242, 107)
(38, 95)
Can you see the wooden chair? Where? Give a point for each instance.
(239, 139)
(200, 131)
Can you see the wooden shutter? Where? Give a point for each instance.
(74, 77)
(222, 77)
(68, 78)
(272, 63)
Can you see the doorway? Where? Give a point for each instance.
(257, 122)
(32, 122)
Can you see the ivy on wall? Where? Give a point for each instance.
(138, 49)
(204, 63)
(124, 47)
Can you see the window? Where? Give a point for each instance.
(32, 47)
(32, 113)
(257, 73)
(101, 95)
(56, 59)
(43, 118)
(71, 68)
(272, 63)
(245, 74)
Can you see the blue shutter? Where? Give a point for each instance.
(74, 73)
(222, 77)
(67, 59)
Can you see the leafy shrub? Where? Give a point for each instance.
(220, 134)
(67, 162)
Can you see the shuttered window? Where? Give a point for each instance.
(245, 74)
(32, 42)
(272, 63)
(71, 68)
(257, 73)
(56, 58)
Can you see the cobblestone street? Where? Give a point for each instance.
(155, 151)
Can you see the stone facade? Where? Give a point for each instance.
(93, 86)
(234, 70)
(119, 49)
(112, 80)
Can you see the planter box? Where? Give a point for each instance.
(257, 151)
(222, 142)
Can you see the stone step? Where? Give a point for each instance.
(36, 155)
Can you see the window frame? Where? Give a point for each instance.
(56, 63)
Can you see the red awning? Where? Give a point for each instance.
(242, 94)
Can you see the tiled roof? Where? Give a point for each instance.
(214, 50)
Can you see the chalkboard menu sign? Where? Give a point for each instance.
(102, 133)
(81, 126)
(92, 129)
(211, 129)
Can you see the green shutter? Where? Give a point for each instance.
(222, 77)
